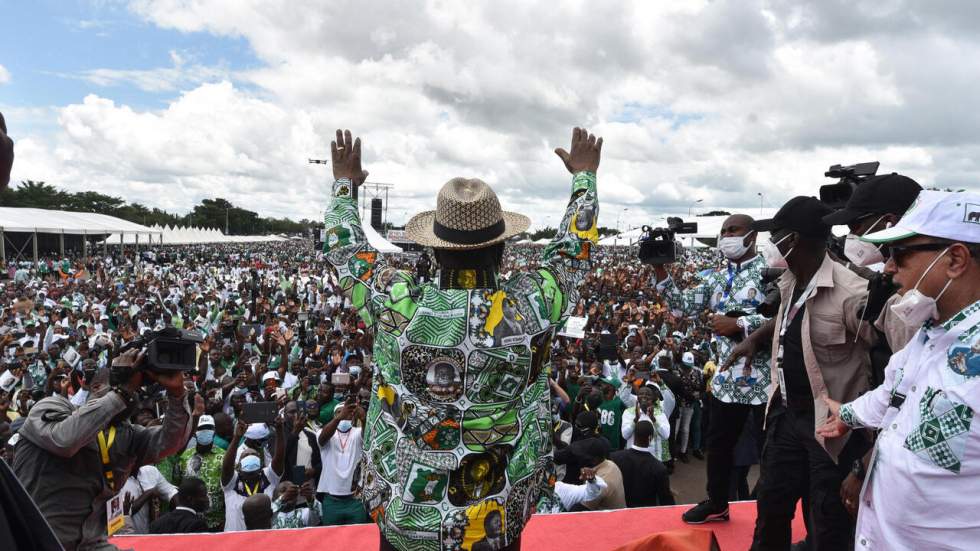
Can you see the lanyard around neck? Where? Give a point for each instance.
(251, 491)
(105, 443)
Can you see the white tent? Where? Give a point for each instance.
(379, 243)
(28, 220)
(171, 235)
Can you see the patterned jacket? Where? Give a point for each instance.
(721, 291)
(929, 444)
(457, 440)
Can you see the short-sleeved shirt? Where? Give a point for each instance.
(340, 457)
(147, 478)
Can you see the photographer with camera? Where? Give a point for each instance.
(876, 204)
(730, 293)
(72, 460)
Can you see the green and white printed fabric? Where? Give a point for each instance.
(458, 438)
(723, 291)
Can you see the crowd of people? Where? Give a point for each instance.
(336, 386)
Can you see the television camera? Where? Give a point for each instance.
(658, 245)
(165, 351)
(850, 177)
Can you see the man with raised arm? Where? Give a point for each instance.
(458, 433)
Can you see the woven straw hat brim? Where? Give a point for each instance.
(419, 230)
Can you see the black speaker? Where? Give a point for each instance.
(376, 213)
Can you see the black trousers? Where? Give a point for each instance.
(724, 429)
(794, 466)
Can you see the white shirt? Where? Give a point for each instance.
(289, 381)
(304, 453)
(921, 491)
(340, 457)
(571, 495)
(147, 478)
(661, 428)
(234, 519)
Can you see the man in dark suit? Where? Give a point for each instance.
(645, 478)
(192, 502)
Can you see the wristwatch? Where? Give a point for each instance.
(857, 469)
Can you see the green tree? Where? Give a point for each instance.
(41, 196)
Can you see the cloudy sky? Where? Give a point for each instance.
(167, 102)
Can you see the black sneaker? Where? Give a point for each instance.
(698, 455)
(704, 512)
(683, 458)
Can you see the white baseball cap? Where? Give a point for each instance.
(270, 376)
(943, 214)
(205, 421)
(687, 358)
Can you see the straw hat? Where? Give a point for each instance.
(467, 216)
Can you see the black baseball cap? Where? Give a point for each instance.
(882, 194)
(800, 214)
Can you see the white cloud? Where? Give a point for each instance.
(4, 75)
(711, 100)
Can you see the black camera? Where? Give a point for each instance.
(169, 349)
(659, 247)
(850, 177)
(770, 292)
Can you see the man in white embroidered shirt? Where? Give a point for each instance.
(920, 491)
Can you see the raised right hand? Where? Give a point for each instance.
(585, 154)
(345, 153)
(240, 428)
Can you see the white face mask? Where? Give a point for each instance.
(733, 247)
(863, 253)
(914, 308)
(774, 258)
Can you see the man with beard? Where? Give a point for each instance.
(73, 460)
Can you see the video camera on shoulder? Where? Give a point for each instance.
(850, 177)
(659, 247)
(169, 349)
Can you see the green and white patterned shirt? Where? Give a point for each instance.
(457, 443)
(725, 290)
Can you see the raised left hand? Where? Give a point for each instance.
(172, 381)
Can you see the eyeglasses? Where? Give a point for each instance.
(898, 253)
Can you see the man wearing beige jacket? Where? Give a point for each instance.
(819, 348)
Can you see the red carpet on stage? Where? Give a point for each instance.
(598, 531)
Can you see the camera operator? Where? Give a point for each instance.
(733, 395)
(74, 460)
(820, 349)
(878, 203)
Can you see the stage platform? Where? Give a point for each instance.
(599, 531)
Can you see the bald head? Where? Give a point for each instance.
(257, 510)
(738, 220)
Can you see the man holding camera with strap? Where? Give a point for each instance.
(72, 460)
